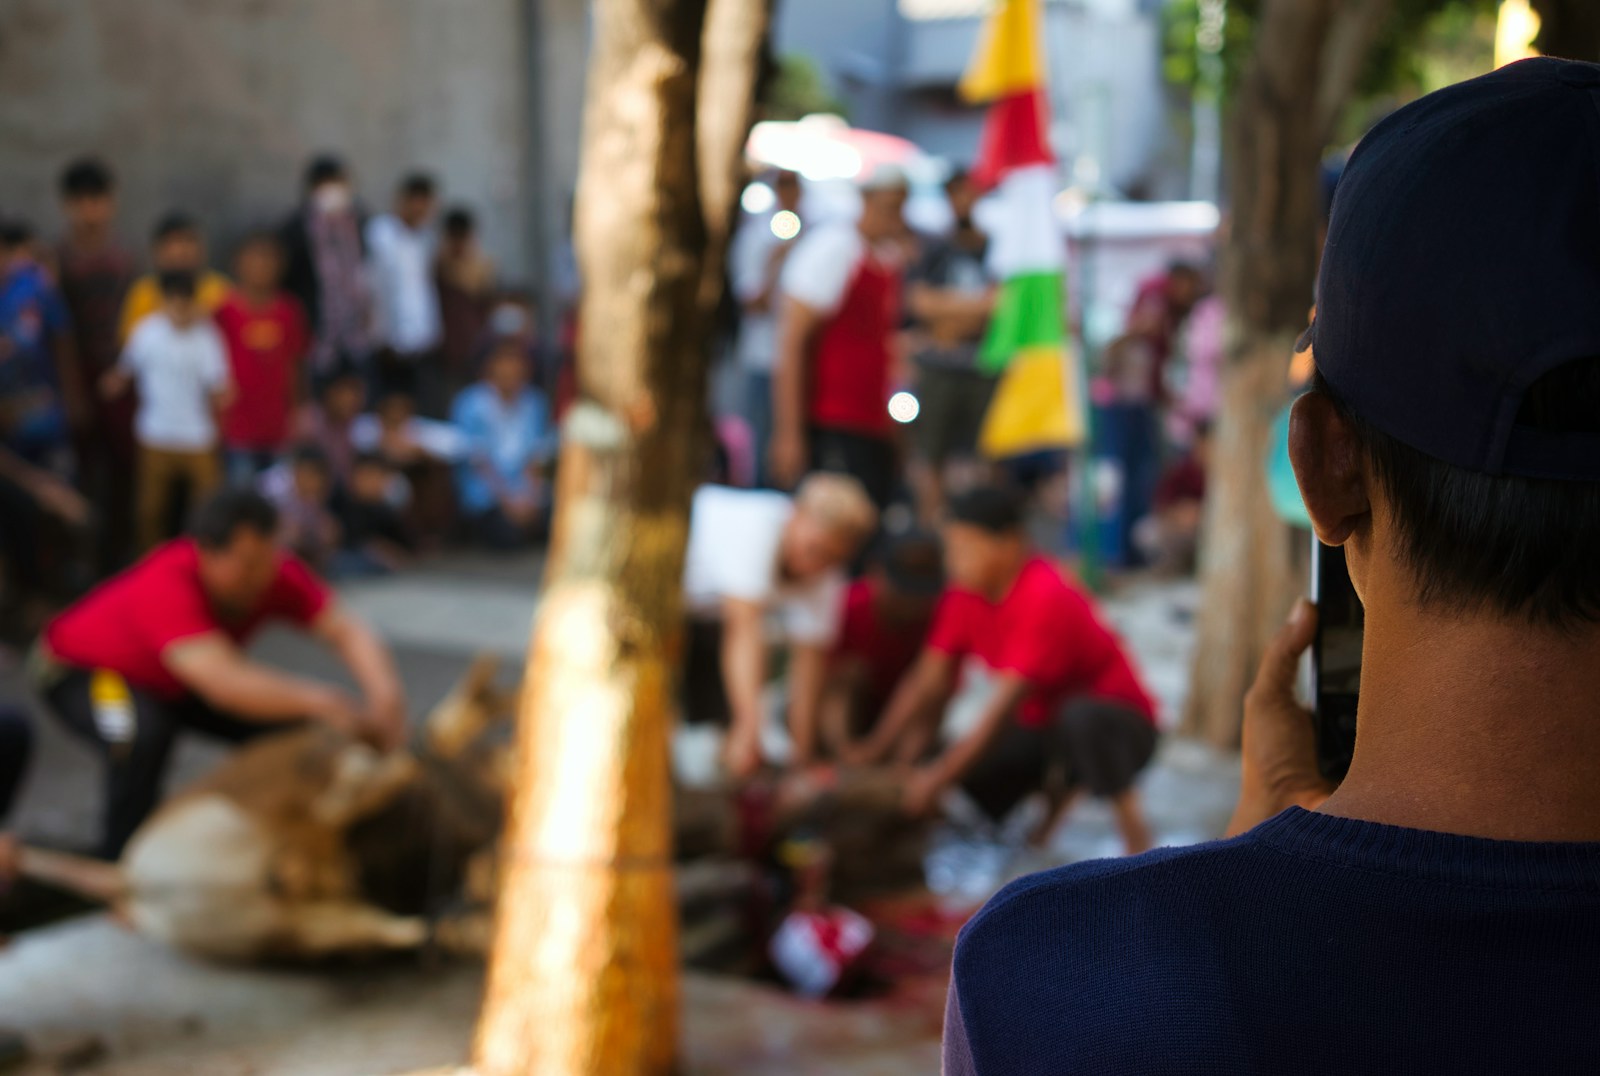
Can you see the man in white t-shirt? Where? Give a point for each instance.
(400, 251)
(759, 559)
(178, 361)
(755, 261)
(840, 316)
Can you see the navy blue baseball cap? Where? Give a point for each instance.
(1463, 263)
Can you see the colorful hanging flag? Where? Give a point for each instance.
(1038, 404)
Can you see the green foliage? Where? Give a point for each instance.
(1424, 44)
(798, 89)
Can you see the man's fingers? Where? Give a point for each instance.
(1282, 660)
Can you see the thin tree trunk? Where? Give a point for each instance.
(583, 976)
(1568, 28)
(1307, 58)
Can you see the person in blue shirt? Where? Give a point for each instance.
(506, 423)
(1438, 911)
(38, 382)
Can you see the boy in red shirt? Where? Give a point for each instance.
(267, 336)
(1067, 709)
(887, 614)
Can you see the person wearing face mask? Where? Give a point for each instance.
(755, 556)
(325, 266)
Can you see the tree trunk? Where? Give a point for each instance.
(1568, 28)
(583, 976)
(1307, 58)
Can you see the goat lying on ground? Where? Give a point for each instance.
(310, 845)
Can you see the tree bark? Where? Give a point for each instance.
(583, 976)
(1568, 28)
(1307, 58)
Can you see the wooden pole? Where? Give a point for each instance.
(583, 975)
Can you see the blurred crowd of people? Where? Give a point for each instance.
(367, 371)
(836, 318)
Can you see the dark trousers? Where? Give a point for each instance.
(1129, 434)
(1097, 744)
(16, 747)
(135, 731)
(872, 461)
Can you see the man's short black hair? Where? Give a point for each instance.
(323, 168)
(958, 175)
(417, 185)
(220, 519)
(995, 509)
(309, 455)
(1518, 547)
(177, 283)
(460, 222)
(174, 224)
(86, 177)
(370, 459)
(914, 563)
(14, 232)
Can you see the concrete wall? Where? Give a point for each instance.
(214, 105)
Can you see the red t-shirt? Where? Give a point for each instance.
(126, 623)
(265, 346)
(887, 652)
(854, 354)
(1047, 631)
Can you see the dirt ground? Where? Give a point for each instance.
(99, 999)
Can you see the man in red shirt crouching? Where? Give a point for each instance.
(160, 649)
(1066, 709)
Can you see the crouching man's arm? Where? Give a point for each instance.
(215, 669)
(1279, 750)
(369, 661)
(928, 782)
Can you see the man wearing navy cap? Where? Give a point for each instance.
(1437, 911)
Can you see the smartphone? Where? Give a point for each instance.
(1335, 660)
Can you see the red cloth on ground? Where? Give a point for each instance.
(849, 383)
(1048, 631)
(265, 348)
(126, 623)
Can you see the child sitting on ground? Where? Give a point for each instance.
(506, 425)
(177, 359)
(374, 538)
(306, 524)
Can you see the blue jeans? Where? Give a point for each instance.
(1128, 435)
(758, 413)
(243, 466)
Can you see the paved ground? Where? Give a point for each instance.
(157, 1012)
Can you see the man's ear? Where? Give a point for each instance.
(1328, 464)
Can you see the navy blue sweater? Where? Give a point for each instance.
(1311, 944)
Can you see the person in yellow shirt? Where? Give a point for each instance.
(176, 245)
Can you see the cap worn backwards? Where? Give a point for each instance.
(1463, 263)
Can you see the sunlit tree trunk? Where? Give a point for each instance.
(583, 977)
(1307, 57)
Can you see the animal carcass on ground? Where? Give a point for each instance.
(311, 845)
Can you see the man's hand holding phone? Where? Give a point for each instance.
(1279, 753)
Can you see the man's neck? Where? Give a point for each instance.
(1488, 728)
(1007, 580)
